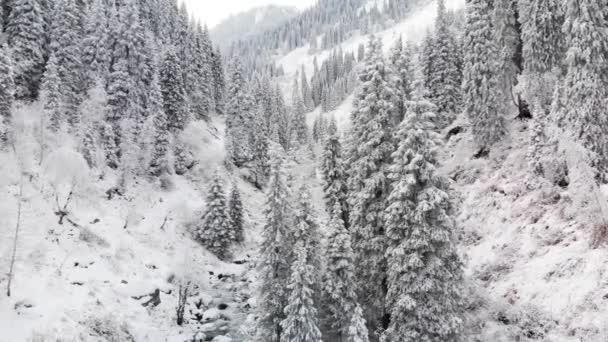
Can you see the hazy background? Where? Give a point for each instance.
(214, 11)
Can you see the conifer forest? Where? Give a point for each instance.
(304, 170)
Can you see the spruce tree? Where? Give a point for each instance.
(173, 93)
(298, 125)
(214, 231)
(586, 81)
(541, 34)
(370, 150)
(301, 322)
(260, 162)
(334, 176)
(444, 79)
(306, 91)
(273, 264)
(508, 40)
(424, 270)
(96, 44)
(235, 211)
(65, 45)
(159, 163)
(402, 58)
(238, 113)
(6, 94)
(357, 331)
(51, 96)
(219, 81)
(26, 36)
(482, 98)
(339, 298)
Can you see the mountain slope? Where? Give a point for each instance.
(255, 21)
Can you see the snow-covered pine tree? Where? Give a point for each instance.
(401, 58)
(273, 264)
(306, 91)
(119, 107)
(279, 131)
(219, 81)
(444, 81)
(260, 159)
(237, 116)
(160, 163)
(543, 52)
(201, 78)
(426, 56)
(173, 93)
(586, 81)
(299, 128)
(214, 230)
(424, 269)
(482, 97)
(235, 210)
(370, 149)
(65, 45)
(339, 298)
(51, 96)
(541, 33)
(301, 323)
(6, 94)
(508, 41)
(334, 175)
(26, 37)
(96, 49)
(357, 330)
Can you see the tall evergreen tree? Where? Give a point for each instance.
(298, 125)
(306, 91)
(508, 40)
(159, 163)
(173, 93)
(260, 162)
(65, 45)
(357, 331)
(586, 81)
(370, 151)
(334, 176)
(273, 265)
(26, 36)
(339, 298)
(482, 98)
(51, 95)
(424, 270)
(235, 211)
(301, 322)
(219, 81)
(6, 94)
(215, 232)
(444, 79)
(542, 36)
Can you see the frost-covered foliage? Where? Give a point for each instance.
(424, 270)
(27, 38)
(334, 176)
(482, 97)
(585, 85)
(6, 94)
(273, 265)
(339, 297)
(370, 148)
(215, 231)
(235, 211)
(445, 74)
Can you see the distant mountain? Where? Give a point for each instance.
(254, 21)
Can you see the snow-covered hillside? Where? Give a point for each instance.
(103, 253)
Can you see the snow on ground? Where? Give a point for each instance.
(527, 254)
(88, 278)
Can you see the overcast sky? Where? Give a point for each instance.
(214, 11)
